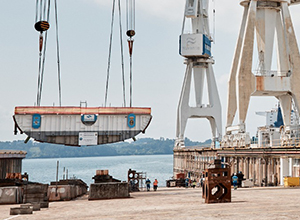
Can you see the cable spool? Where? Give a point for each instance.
(41, 26)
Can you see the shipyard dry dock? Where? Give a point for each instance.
(176, 203)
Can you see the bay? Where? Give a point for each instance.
(158, 167)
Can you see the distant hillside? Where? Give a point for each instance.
(144, 146)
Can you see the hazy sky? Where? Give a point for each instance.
(84, 28)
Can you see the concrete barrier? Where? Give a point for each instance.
(65, 190)
(11, 195)
(61, 193)
(108, 191)
(34, 206)
(35, 193)
(44, 204)
(21, 211)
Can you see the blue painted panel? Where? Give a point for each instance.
(279, 121)
(180, 45)
(36, 121)
(131, 120)
(88, 118)
(206, 46)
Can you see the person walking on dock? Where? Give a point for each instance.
(202, 181)
(148, 182)
(235, 181)
(186, 182)
(240, 176)
(155, 184)
(194, 184)
(275, 179)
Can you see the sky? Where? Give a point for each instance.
(158, 69)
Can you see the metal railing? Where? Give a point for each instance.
(272, 73)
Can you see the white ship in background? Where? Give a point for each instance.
(270, 135)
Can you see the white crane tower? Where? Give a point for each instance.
(195, 46)
(265, 19)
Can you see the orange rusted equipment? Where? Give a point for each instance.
(217, 184)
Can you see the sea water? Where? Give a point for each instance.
(158, 167)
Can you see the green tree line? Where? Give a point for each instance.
(144, 146)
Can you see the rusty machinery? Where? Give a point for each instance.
(135, 180)
(102, 176)
(217, 184)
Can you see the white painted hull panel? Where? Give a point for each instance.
(65, 128)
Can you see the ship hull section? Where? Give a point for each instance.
(81, 126)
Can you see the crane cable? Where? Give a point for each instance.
(39, 6)
(42, 26)
(57, 54)
(130, 7)
(130, 67)
(122, 54)
(214, 21)
(110, 51)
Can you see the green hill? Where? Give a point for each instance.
(144, 146)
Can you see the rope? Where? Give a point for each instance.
(109, 53)
(58, 56)
(122, 54)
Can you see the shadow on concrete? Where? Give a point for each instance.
(238, 201)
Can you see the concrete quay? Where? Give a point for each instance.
(175, 203)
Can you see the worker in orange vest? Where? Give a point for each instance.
(155, 184)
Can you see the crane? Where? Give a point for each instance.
(195, 47)
(267, 19)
